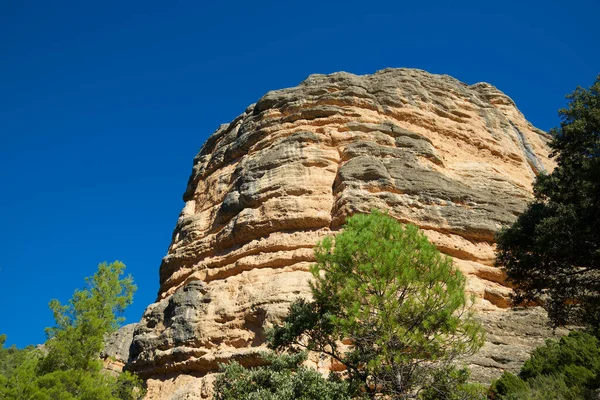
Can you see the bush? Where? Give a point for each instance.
(552, 252)
(509, 386)
(284, 378)
(565, 369)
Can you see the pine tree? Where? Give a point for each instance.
(398, 303)
(69, 367)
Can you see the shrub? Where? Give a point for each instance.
(565, 369)
(283, 378)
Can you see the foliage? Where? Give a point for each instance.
(74, 384)
(564, 369)
(552, 252)
(17, 370)
(69, 366)
(388, 293)
(283, 378)
(77, 338)
(450, 383)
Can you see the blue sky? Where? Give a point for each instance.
(103, 106)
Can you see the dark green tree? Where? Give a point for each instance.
(552, 252)
(565, 369)
(398, 305)
(12, 357)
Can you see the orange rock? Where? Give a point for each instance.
(455, 159)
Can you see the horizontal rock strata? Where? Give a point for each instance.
(455, 159)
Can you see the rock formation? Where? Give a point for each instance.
(115, 354)
(455, 159)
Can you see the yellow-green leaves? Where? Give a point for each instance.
(69, 367)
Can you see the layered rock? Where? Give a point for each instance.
(117, 346)
(455, 159)
(510, 338)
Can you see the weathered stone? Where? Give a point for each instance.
(454, 159)
(117, 346)
(510, 338)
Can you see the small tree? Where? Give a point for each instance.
(398, 303)
(69, 367)
(552, 252)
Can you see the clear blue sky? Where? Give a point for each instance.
(103, 106)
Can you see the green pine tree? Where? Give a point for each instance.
(384, 289)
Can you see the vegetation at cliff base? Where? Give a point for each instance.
(552, 252)
(398, 305)
(283, 378)
(68, 366)
(568, 368)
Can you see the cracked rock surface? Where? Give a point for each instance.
(455, 159)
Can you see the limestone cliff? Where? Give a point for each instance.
(455, 159)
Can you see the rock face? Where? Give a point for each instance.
(510, 337)
(117, 348)
(455, 159)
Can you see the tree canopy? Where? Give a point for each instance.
(552, 252)
(282, 378)
(397, 303)
(68, 367)
(77, 338)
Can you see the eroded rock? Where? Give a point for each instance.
(117, 346)
(455, 159)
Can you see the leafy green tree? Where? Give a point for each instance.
(451, 383)
(552, 252)
(69, 366)
(12, 357)
(283, 378)
(77, 338)
(74, 384)
(565, 369)
(398, 304)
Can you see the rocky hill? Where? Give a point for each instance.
(455, 159)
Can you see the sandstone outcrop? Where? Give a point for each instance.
(510, 338)
(115, 354)
(455, 159)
